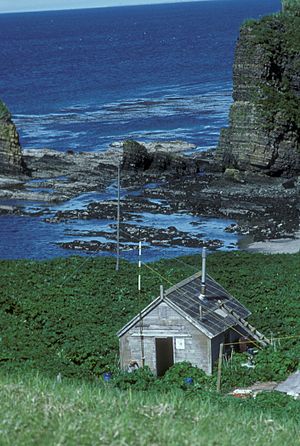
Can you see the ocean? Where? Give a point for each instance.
(83, 79)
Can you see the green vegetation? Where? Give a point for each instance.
(61, 316)
(291, 7)
(4, 112)
(279, 37)
(36, 410)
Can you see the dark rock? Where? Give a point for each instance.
(135, 156)
(92, 246)
(173, 164)
(11, 159)
(264, 122)
(232, 228)
(289, 184)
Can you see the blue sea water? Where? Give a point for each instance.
(83, 79)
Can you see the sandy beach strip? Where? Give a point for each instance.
(279, 246)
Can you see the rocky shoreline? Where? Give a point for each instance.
(250, 181)
(157, 181)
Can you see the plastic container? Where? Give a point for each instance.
(106, 377)
(188, 381)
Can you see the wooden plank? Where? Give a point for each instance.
(220, 367)
(250, 329)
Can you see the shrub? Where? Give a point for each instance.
(141, 379)
(274, 366)
(176, 376)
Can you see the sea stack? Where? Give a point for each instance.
(264, 121)
(11, 159)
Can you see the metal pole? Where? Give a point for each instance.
(140, 266)
(203, 275)
(141, 319)
(118, 222)
(201, 312)
(161, 291)
(220, 367)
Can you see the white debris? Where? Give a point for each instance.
(291, 386)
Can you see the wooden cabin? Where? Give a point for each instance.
(188, 322)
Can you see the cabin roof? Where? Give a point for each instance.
(184, 298)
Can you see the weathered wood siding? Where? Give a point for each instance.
(163, 322)
(229, 336)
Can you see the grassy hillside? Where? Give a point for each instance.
(63, 315)
(35, 410)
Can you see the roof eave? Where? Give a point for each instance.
(140, 315)
(191, 320)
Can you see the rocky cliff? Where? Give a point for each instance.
(264, 121)
(11, 160)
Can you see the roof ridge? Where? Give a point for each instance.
(182, 283)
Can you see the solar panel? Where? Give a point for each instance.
(185, 295)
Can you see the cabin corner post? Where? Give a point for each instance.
(142, 340)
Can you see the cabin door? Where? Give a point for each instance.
(164, 355)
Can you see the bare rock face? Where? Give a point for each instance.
(264, 121)
(137, 157)
(11, 160)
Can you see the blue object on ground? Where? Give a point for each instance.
(188, 381)
(107, 377)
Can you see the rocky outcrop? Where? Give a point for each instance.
(11, 160)
(264, 122)
(137, 157)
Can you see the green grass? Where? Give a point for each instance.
(36, 410)
(62, 316)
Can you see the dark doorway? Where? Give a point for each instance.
(164, 355)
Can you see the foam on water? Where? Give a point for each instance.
(83, 79)
(78, 126)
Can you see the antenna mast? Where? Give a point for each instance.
(140, 266)
(203, 275)
(118, 221)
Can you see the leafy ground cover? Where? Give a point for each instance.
(278, 35)
(36, 410)
(61, 316)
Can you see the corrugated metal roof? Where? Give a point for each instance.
(184, 297)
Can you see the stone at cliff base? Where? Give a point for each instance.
(11, 160)
(234, 175)
(135, 156)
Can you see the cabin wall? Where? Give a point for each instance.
(215, 347)
(231, 335)
(189, 344)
